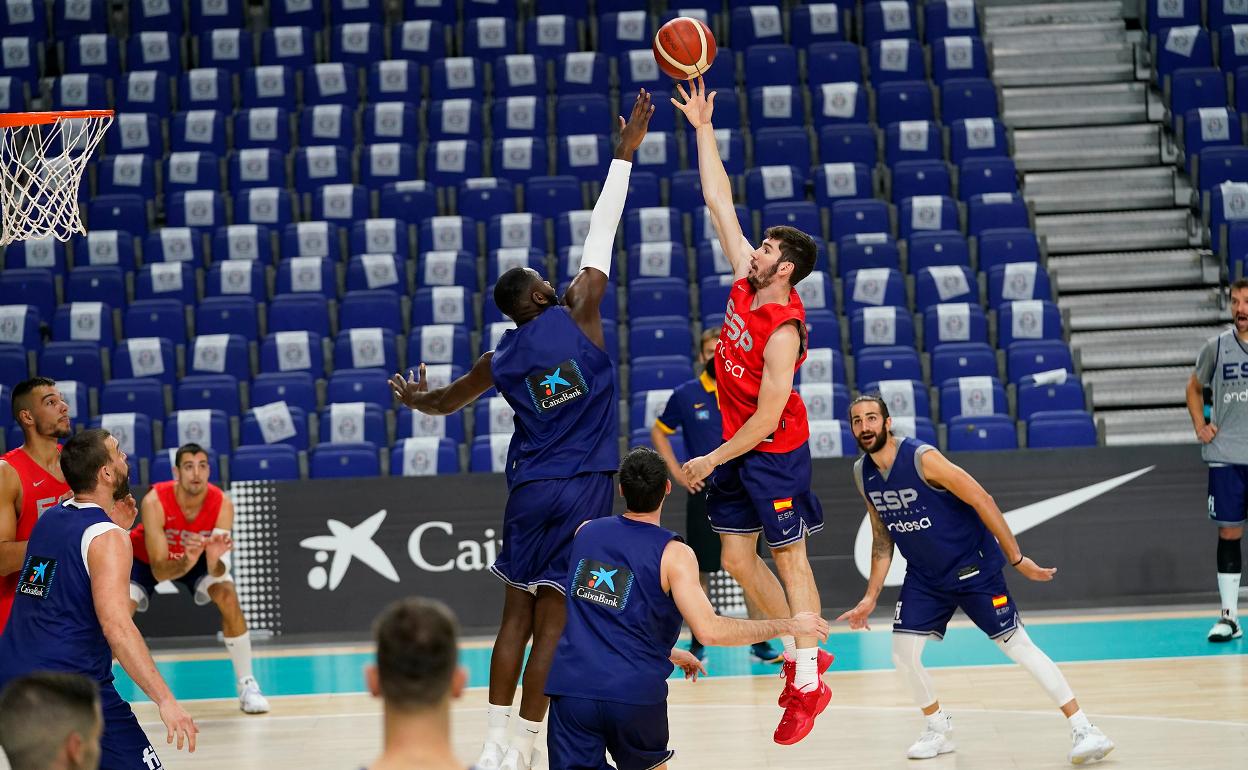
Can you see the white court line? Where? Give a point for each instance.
(722, 706)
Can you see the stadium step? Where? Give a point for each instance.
(1046, 37)
(1103, 104)
(1092, 147)
(1133, 427)
(1171, 268)
(998, 14)
(1144, 309)
(1113, 63)
(1153, 187)
(1140, 347)
(1118, 231)
(1137, 387)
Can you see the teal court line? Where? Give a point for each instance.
(338, 673)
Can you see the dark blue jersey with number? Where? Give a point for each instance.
(621, 624)
(943, 539)
(562, 388)
(54, 626)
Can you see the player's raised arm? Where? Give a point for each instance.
(415, 394)
(938, 470)
(12, 551)
(584, 295)
(779, 361)
(163, 566)
(680, 577)
(108, 563)
(716, 186)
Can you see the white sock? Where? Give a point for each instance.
(523, 735)
(807, 668)
(496, 718)
(1228, 589)
(1079, 720)
(239, 648)
(938, 721)
(790, 645)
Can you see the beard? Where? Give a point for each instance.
(763, 280)
(121, 488)
(874, 444)
(54, 429)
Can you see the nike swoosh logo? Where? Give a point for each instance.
(1019, 519)
(787, 531)
(37, 483)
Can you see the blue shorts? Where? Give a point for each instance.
(1228, 494)
(766, 492)
(538, 525)
(925, 610)
(582, 731)
(143, 583)
(124, 745)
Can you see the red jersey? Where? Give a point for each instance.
(176, 524)
(40, 491)
(739, 362)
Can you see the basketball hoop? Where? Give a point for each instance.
(42, 157)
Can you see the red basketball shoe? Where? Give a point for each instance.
(789, 672)
(800, 711)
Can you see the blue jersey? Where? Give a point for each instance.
(943, 539)
(53, 626)
(621, 624)
(693, 409)
(562, 389)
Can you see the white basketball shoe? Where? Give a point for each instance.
(1226, 629)
(1088, 744)
(250, 699)
(491, 756)
(515, 761)
(937, 739)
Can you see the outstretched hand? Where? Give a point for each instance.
(408, 390)
(1033, 571)
(697, 105)
(688, 662)
(634, 130)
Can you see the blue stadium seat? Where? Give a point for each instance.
(92, 54)
(824, 401)
(206, 89)
(272, 207)
(456, 76)
(1181, 47)
(452, 233)
(135, 133)
(29, 286)
(836, 181)
(84, 322)
(661, 336)
(1163, 14)
(144, 91)
(1228, 202)
(756, 24)
(999, 246)
(850, 217)
(134, 436)
(905, 398)
(958, 57)
(356, 11)
(271, 426)
(385, 235)
(359, 385)
(413, 424)
(637, 69)
(344, 461)
(770, 65)
(912, 140)
(583, 72)
(904, 100)
(518, 117)
(106, 248)
(982, 433)
(952, 323)
(376, 271)
(22, 58)
(643, 186)
(776, 106)
(1061, 429)
(455, 119)
(297, 312)
(1035, 397)
(145, 357)
(945, 19)
(951, 360)
(173, 244)
(977, 137)
(187, 171)
(14, 93)
(832, 62)
(770, 184)
(155, 51)
(237, 278)
(228, 49)
(584, 156)
(220, 354)
(920, 177)
(500, 261)
(384, 122)
(966, 98)
(1018, 281)
(198, 130)
(1202, 87)
(400, 199)
(972, 397)
(1028, 319)
(782, 146)
(488, 454)
(368, 308)
(306, 275)
(1032, 356)
(123, 212)
(332, 83)
(659, 372)
(105, 283)
(262, 128)
(863, 252)
(520, 75)
(397, 81)
(206, 14)
(270, 85)
(929, 212)
(1221, 164)
(29, 18)
(296, 388)
(876, 326)
(487, 196)
(448, 269)
(157, 318)
(849, 143)
(342, 202)
(895, 59)
(520, 159)
(1204, 129)
(551, 35)
(984, 176)
(996, 211)
(450, 162)
(360, 43)
(321, 165)
(624, 31)
(891, 19)
(424, 457)
(227, 315)
(257, 167)
(516, 231)
(442, 305)
(334, 124)
(366, 348)
(79, 91)
(945, 283)
(275, 462)
(887, 363)
(296, 13)
(45, 253)
(13, 358)
(658, 297)
(209, 391)
(422, 40)
(493, 415)
(19, 325)
(578, 112)
(489, 36)
(78, 361)
(195, 208)
(804, 215)
(439, 344)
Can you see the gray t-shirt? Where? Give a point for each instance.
(1223, 366)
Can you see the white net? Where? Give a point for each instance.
(41, 165)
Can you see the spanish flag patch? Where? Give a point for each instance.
(783, 505)
(1000, 601)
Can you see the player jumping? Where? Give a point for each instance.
(952, 534)
(554, 372)
(185, 537)
(760, 475)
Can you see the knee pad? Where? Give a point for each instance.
(1230, 558)
(208, 581)
(138, 595)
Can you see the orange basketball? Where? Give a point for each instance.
(684, 48)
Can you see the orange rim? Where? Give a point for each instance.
(15, 119)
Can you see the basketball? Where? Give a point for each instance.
(684, 48)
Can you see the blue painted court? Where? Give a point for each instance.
(291, 673)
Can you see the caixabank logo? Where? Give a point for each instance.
(554, 387)
(606, 585)
(37, 576)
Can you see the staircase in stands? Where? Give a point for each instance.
(1138, 290)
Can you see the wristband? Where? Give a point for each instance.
(1020, 560)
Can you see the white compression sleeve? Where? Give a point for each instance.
(599, 251)
(1019, 647)
(908, 658)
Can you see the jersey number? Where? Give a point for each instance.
(44, 504)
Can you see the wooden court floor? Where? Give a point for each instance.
(1170, 713)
